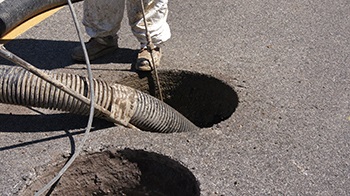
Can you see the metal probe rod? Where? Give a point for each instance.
(150, 48)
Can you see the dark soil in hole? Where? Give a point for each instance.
(201, 98)
(125, 172)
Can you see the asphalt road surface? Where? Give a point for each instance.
(287, 61)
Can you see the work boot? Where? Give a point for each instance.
(144, 60)
(96, 47)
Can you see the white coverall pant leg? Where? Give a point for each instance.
(103, 18)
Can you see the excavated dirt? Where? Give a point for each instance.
(203, 99)
(126, 172)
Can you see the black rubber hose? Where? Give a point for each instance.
(15, 12)
(19, 86)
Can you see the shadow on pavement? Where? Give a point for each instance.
(47, 123)
(50, 54)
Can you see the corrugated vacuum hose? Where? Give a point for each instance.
(19, 86)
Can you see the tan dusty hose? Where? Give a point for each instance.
(126, 105)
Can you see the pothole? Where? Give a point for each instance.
(125, 172)
(203, 99)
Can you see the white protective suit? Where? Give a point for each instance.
(103, 18)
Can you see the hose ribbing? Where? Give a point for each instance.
(20, 87)
(152, 114)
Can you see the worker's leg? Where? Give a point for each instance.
(156, 15)
(102, 20)
(103, 17)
